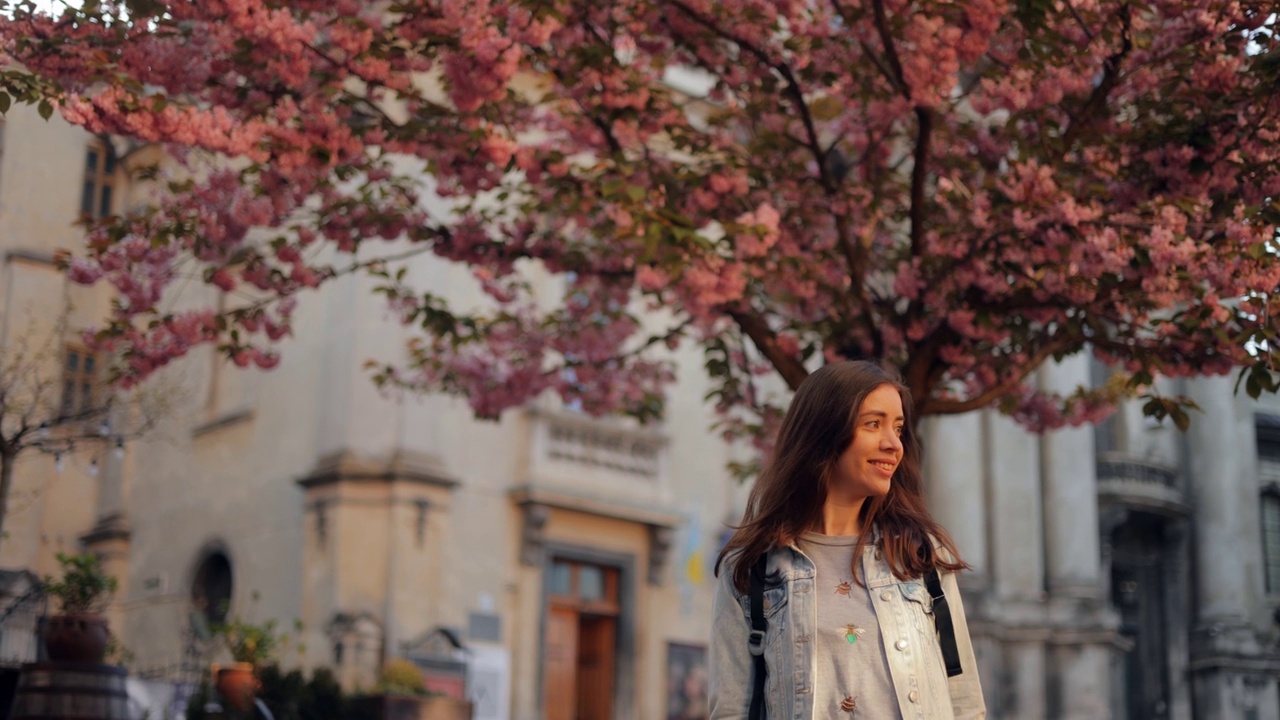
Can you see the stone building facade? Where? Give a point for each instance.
(561, 562)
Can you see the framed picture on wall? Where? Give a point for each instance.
(686, 682)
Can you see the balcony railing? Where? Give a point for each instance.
(606, 459)
(620, 451)
(1140, 485)
(1136, 471)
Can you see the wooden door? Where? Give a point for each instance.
(597, 647)
(581, 645)
(560, 667)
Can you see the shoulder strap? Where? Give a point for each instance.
(755, 642)
(942, 620)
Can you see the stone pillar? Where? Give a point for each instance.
(953, 470)
(372, 556)
(110, 536)
(1222, 457)
(1228, 661)
(1016, 557)
(1084, 629)
(1070, 483)
(1016, 527)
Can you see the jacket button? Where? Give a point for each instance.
(913, 696)
(886, 596)
(901, 644)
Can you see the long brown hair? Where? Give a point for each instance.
(787, 498)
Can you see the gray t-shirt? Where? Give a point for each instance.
(852, 677)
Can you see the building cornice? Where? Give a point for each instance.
(400, 467)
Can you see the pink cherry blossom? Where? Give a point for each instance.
(963, 190)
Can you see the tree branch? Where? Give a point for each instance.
(919, 177)
(952, 407)
(1110, 77)
(918, 374)
(853, 252)
(766, 341)
(890, 52)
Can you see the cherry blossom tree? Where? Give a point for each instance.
(965, 190)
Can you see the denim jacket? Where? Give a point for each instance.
(904, 611)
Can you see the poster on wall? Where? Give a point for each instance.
(686, 682)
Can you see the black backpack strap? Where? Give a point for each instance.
(755, 642)
(942, 620)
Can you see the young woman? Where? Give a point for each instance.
(840, 517)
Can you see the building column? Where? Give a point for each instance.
(1230, 669)
(953, 474)
(110, 536)
(1070, 481)
(1222, 457)
(1084, 629)
(1016, 562)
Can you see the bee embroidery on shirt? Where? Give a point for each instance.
(844, 588)
(853, 632)
(849, 704)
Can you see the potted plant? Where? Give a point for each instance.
(251, 646)
(402, 693)
(79, 633)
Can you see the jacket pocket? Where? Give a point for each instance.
(775, 598)
(915, 593)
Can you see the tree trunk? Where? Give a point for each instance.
(7, 461)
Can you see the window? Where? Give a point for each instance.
(211, 588)
(584, 586)
(1106, 434)
(99, 182)
(79, 381)
(1271, 538)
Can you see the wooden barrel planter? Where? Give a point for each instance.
(71, 691)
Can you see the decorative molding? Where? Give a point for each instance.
(422, 505)
(1115, 468)
(107, 529)
(321, 508)
(537, 505)
(599, 444)
(1139, 485)
(401, 466)
(596, 506)
(35, 257)
(1217, 662)
(660, 539)
(533, 535)
(223, 421)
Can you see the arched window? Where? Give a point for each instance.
(211, 588)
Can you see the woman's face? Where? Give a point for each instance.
(866, 467)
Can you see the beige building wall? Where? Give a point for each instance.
(41, 163)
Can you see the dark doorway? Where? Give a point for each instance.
(1138, 590)
(211, 587)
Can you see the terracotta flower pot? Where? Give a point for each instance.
(76, 637)
(237, 684)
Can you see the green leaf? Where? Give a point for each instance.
(45, 109)
(4, 102)
(1252, 386)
